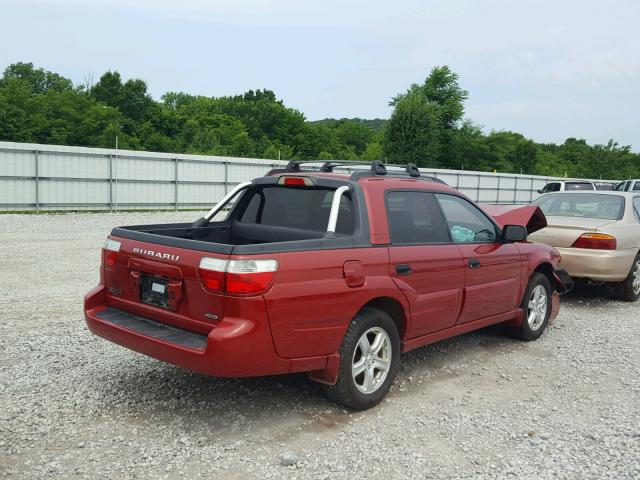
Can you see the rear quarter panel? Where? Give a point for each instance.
(310, 304)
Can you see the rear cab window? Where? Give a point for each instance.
(305, 208)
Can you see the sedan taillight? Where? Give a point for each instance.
(237, 276)
(598, 241)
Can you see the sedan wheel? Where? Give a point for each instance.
(629, 290)
(636, 278)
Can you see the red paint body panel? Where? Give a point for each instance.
(298, 323)
(495, 286)
(434, 288)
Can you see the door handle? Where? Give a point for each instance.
(403, 269)
(474, 263)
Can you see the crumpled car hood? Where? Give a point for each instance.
(529, 216)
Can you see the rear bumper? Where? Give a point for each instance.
(235, 347)
(598, 265)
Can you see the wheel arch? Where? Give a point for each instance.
(547, 270)
(392, 307)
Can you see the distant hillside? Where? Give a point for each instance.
(377, 124)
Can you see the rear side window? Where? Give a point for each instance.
(636, 208)
(606, 207)
(636, 186)
(578, 186)
(414, 218)
(467, 223)
(295, 207)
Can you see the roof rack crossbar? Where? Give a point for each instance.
(378, 168)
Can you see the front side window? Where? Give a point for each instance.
(466, 222)
(636, 186)
(553, 187)
(414, 218)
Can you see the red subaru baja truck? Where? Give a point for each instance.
(331, 274)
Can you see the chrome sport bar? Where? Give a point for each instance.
(335, 208)
(219, 206)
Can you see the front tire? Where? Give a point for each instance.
(629, 289)
(369, 361)
(536, 304)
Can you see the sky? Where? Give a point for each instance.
(547, 69)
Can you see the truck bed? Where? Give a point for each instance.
(233, 237)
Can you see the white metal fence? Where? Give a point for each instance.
(53, 177)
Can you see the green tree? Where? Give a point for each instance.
(38, 79)
(441, 87)
(414, 131)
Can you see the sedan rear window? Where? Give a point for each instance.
(606, 207)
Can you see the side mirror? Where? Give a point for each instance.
(540, 191)
(514, 233)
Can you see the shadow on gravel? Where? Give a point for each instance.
(150, 391)
(583, 293)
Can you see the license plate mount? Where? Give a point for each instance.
(154, 291)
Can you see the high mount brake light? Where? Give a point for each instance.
(110, 252)
(237, 276)
(295, 181)
(598, 241)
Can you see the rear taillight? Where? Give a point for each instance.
(237, 276)
(599, 241)
(110, 252)
(212, 272)
(250, 276)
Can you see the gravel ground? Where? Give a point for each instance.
(477, 406)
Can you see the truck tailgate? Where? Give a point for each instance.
(162, 282)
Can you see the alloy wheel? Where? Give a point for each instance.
(538, 304)
(371, 360)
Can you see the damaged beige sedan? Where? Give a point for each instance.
(597, 235)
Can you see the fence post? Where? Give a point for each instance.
(498, 192)
(226, 177)
(110, 182)
(478, 188)
(515, 192)
(175, 182)
(531, 191)
(37, 179)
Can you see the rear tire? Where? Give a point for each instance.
(369, 361)
(536, 304)
(629, 289)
